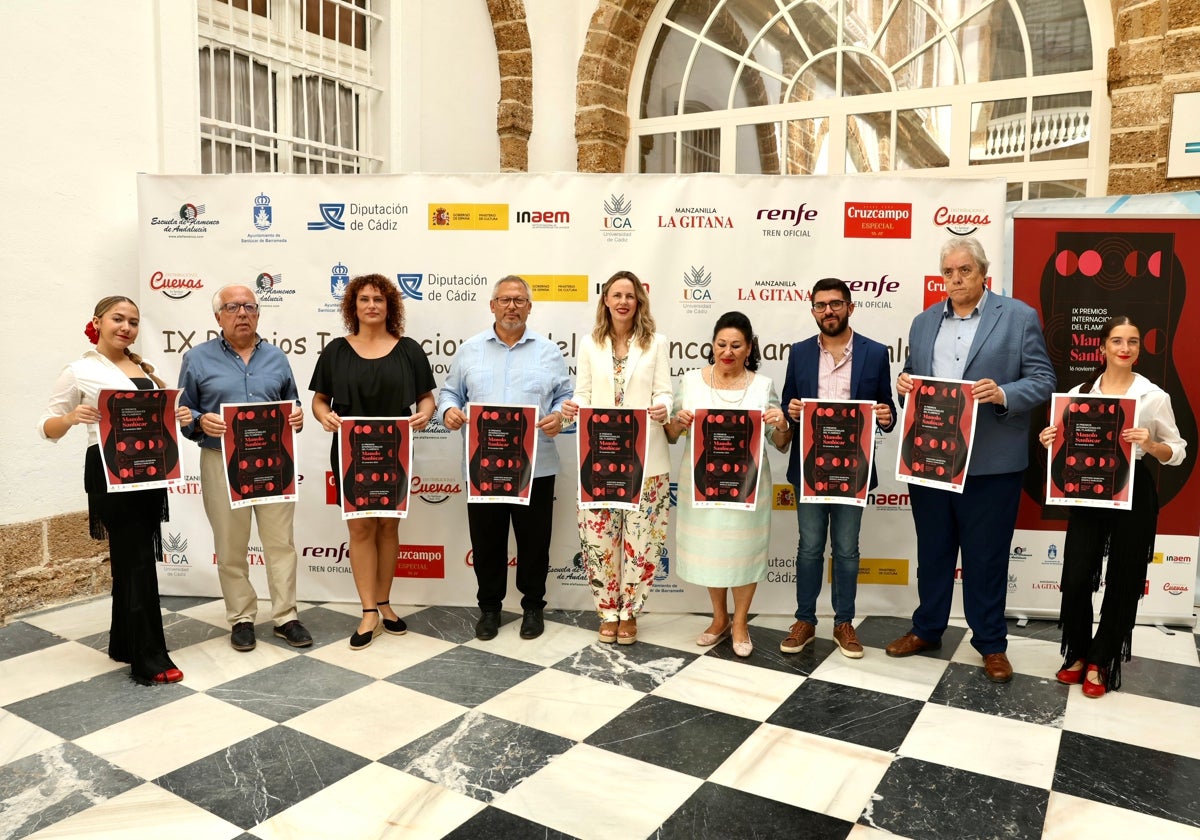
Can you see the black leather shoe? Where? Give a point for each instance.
(488, 625)
(242, 637)
(294, 634)
(532, 624)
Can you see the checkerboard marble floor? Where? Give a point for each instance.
(434, 734)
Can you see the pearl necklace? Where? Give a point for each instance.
(715, 390)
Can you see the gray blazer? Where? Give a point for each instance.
(1008, 348)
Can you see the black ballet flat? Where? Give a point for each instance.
(395, 626)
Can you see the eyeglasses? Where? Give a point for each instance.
(511, 301)
(832, 306)
(232, 308)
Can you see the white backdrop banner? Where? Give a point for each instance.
(704, 245)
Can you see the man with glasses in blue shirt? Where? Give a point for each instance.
(836, 364)
(240, 366)
(508, 364)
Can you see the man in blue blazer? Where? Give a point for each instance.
(996, 342)
(836, 364)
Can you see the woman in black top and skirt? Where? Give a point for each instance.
(131, 520)
(375, 371)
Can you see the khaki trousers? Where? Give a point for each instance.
(231, 537)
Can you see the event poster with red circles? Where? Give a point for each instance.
(937, 423)
(837, 446)
(727, 453)
(259, 450)
(612, 457)
(1090, 462)
(501, 452)
(375, 465)
(139, 439)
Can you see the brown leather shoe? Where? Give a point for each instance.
(997, 667)
(800, 635)
(847, 640)
(910, 643)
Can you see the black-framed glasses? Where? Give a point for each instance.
(831, 305)
(511, 301)
(232, 308)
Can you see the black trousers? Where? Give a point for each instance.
(1126, 537)
(531, 525)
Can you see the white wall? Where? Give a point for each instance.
(117, 94)
(82, 105)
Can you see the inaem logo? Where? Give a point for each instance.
(410, 286)
(262, 212)
(339, 279)
(331, 217)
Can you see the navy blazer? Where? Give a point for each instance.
(1008, 348)
(870, 379)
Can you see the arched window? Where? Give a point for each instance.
(953, 88)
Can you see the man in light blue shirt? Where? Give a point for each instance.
(509, 364)
(240, 366)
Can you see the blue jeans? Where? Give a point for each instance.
(841, 523)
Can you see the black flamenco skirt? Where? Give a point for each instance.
(132, 523)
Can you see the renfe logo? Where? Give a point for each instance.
(877, 220)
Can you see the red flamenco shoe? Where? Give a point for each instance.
(1094, 689)
(1067, 676)
(171, 675)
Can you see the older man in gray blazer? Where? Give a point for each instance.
(996, 342)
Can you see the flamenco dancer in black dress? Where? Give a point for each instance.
(1126, 537)
(131, 520)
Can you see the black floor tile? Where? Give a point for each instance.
(494, 824)
(290, 688)
(925, 801)
(715, 812)
(478, 755)
(1029, 699)
(1147, 781)
(674, 735)
(867, 718)
(20, 638)
(466, 676)
(880, 631)
(261, 776)
(450, 624)
(641, 667)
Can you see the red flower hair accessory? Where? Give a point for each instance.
(91, 332)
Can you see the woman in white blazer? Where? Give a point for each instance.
(623, 363)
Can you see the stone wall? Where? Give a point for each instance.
(50, 561)
(1157, 55)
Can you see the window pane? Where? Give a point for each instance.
(869, 142)
(656, 153)
(808, 146)
(1075, 188)
(1059, 35)
(1061, 126)
(337, 22)
(711, 79)
(923, 138)
(701, 151)
(998, 131)
(1014, 192)
(991, 46)
(660, 96)
(758, 149)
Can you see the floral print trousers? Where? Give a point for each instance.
(621, 549)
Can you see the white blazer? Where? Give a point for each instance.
(647, 383)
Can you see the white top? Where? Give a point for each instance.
(1154, 414)
(81, 382)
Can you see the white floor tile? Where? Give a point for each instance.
(19, 738)
(551, 701)
(44, 670)
(567, 795)
(376, 719)
(376, 802)
(164, 739)
(147, 812)
(385, 656)
(1070, 818)
(77, 620)
(994, 746)
(913, 677)
(1133, 719)
(730, 687)
(214, 662)
(821, 774)
(556, 643)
